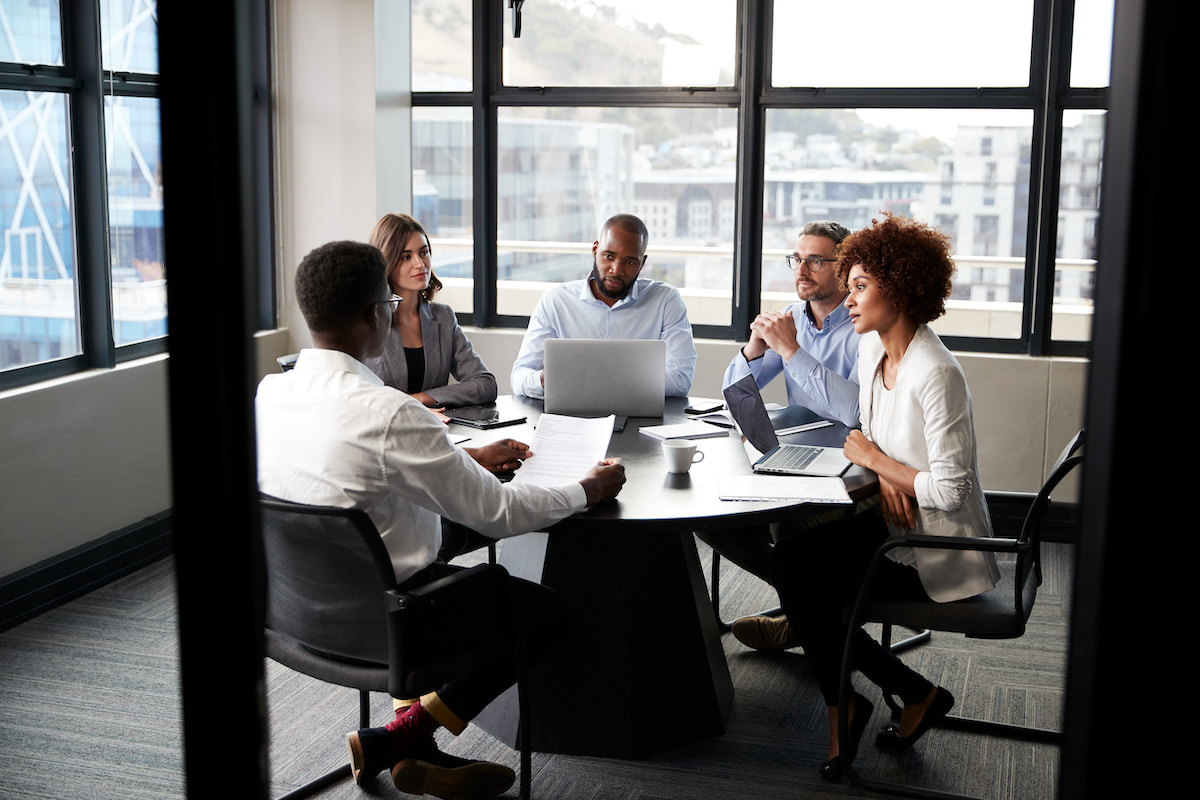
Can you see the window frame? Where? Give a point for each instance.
(85, 84)
(1048, 95)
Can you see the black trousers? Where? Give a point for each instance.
(818, 574)
(541, 614)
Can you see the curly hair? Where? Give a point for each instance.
(391, 234)
(336, 282)
(910, 260)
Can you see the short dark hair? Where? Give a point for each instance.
(337, 281)
(629, 223)
(827, 228)
(910, 260)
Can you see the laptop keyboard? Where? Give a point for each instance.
(792, 457)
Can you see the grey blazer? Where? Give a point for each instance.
(447, 352)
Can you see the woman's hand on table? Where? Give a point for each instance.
(897, 507)
(896, 481)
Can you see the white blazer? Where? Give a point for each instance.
(931, 429)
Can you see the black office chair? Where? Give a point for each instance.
(1000, 613)
(326, 569)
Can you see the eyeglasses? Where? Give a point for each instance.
(814, 263)
(393, 303)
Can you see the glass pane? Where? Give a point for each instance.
(562, 172)
(966, 172)
(622, 43)
(129, 29)
(30, 32)
(881, 43)
(441, 45)
(1091, 44)
(135, 218)
(442, 197)
(1078, 216)
(38, 305)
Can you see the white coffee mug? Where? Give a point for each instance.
(681, 454)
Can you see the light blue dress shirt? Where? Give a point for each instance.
(822, 375)
(651, 310)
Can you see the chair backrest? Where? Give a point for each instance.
(1029, 561)
(325, 571)
(1067, 460)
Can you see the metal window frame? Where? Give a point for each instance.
(1048, 94)
(85, 85)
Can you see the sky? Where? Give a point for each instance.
(922, 43)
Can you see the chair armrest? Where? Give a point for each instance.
(989, 544)
(479, 578)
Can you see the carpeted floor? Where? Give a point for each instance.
(89, 708)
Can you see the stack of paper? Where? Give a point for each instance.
(783, 487)
(692, 429)
(565, 449)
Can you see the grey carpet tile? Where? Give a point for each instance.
(93, 685)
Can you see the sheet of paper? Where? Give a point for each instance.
(565, 448)
(783, 487)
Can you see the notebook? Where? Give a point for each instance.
(597, 377)
(750, 415)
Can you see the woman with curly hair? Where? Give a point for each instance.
(918, 436)
(425, 345)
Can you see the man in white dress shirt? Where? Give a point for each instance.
(611, 303)
(329, 432)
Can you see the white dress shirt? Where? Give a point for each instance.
(331, 433)
(651, 310)
(925, 421)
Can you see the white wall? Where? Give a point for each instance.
(324, 71)
(83, 456)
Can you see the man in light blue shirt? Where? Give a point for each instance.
(815, 346)
(812, 342)
(611, 303)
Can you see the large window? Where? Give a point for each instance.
(728, 125)
(82, 275)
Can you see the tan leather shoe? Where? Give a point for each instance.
(443, 775)
(765, 633)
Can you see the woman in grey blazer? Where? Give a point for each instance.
(425, 346)
(918, 436)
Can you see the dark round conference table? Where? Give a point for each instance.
(640, 667)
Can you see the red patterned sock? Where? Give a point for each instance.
(412, 727)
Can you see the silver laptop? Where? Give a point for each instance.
(750, 415)
(593, 377)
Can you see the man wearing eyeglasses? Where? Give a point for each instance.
(811, 342)
(814, 345)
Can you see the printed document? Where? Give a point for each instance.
(565, 449)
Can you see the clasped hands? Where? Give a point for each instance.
(772, 330)
(898, 507)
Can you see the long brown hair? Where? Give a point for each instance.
(390, 234)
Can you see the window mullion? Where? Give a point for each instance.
(755, 25)
(81, 45)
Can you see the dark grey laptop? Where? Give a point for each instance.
(750, 415)
(592, 377)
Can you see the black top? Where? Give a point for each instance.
(415, 358)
